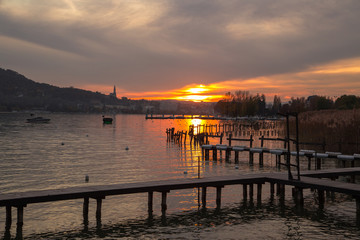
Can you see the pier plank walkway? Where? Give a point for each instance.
(309, 179)
(16, 199)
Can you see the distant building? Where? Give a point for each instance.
(113, 94)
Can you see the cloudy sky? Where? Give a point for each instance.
(175, 48)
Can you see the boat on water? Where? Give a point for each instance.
(38, 120)
(107, 120)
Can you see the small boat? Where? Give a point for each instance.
(107, 120)
(38, 120)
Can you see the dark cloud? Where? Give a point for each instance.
(183, 42)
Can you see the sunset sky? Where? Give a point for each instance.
(186, 49)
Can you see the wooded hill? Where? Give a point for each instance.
(19, 93)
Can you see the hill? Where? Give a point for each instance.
(20, 93)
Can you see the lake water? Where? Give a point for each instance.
(61, 153)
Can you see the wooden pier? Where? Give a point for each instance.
(310, 179)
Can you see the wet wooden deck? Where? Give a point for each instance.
(309, 179)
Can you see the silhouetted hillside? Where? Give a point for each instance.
(20, 93)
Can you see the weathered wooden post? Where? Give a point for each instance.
(321, 196)
(244, 192)
(163, 202)
(259, 189)
(8, 218)
(20, 221)
(203, 196)
(299, 196)
(272, 190)
(236, 157)
(251, 191)
(251, 158)
(218, 196)
(86, 211)
(98, 209)
(230, 136)
(214, 153)
(150, 204)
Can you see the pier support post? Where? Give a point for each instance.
(251, 191)
(86, 211)
(236, 157)
(251, 158)
(8, 218)
(272, 190)
(218, 197)
(214, 153)
(318, 163)
(203, 196)
(261, 159)
(244, 192)
(163, 202)
(259, 189)
(98, 210)
(20, 221)
(150, 204)
(321, 196)
(299, 196)
(227, 154)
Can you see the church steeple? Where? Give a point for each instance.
(113, 94)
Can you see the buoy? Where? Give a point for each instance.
(86, 178)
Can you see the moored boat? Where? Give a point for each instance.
(38, 120)
(107, 120)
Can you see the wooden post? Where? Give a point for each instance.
(251, 158)
(321, 199)
(98, 208)
(357, 210)
(261, 159)
(227, 154)
(214, 153)
(163, 202)
(318, 163)
(272, 190)
(230, 136)
(236, 157)
(251, 140)
(8, 218)
(259, 188)
(86, 211)
(244, 192)
(20, 221)
(218, 197)
(150, 203)
(203, 196)
(262, 141)
(251, 191)
(299, 196)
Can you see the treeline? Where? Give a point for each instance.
(242, 103)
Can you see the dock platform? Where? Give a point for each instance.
(309, 179)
